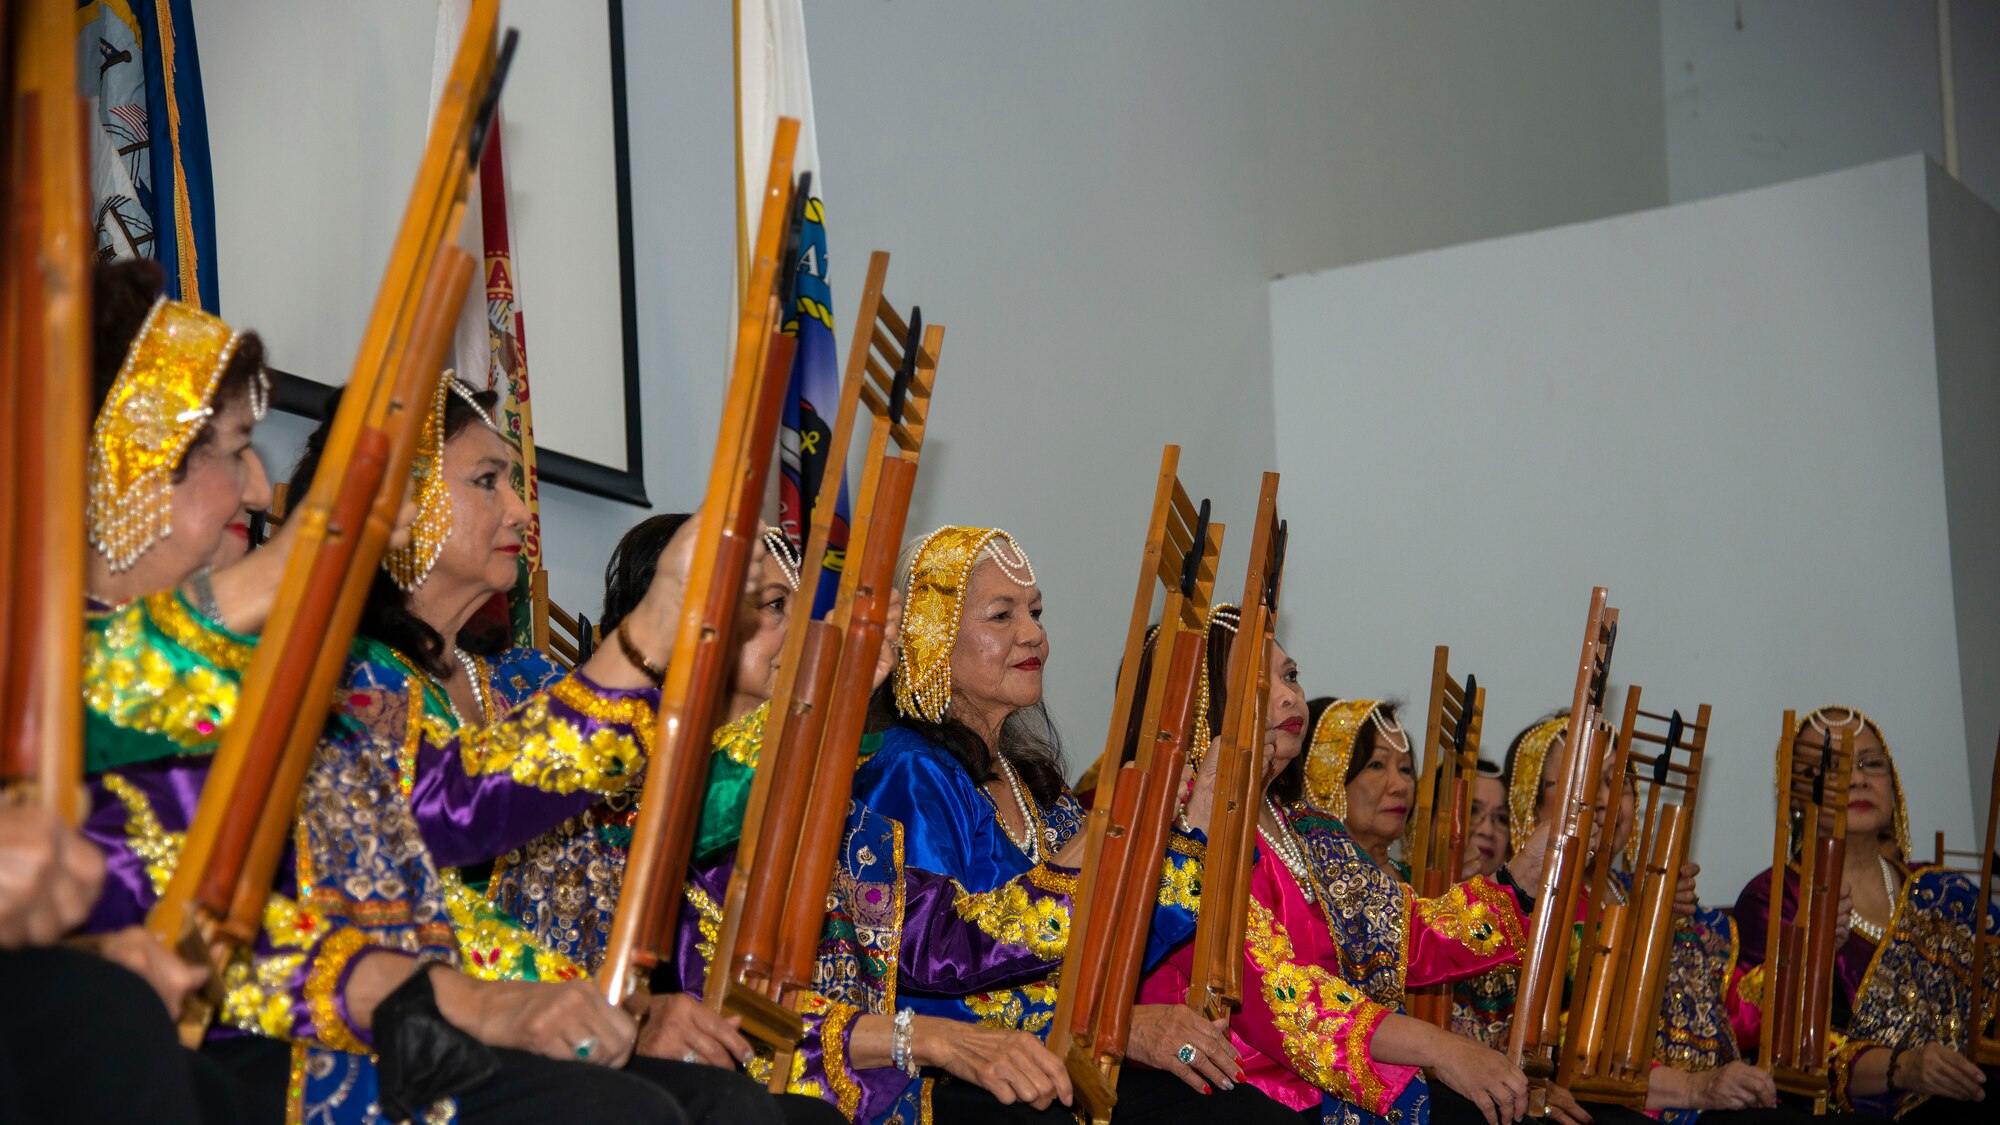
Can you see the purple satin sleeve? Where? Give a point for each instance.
(822, 1068)
(139, 815)
(487, 790)
(947, 952)
(695, 934)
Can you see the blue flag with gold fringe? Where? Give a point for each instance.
(152, 190)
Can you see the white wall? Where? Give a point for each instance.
(1762, 91)
(1726, 412)
(1091, 197)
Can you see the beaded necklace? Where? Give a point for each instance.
(1030, 818)
(1288, 849)
(1863, 926)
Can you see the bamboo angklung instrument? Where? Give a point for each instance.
(44, 405)
(1126, 836)
(1983, 1044)
(697, 674)
(1608, 1045)
(775, 904)
(1794, 1038)
(1216, 988)
(1538, 998)
(214, 902)
(1444, 803)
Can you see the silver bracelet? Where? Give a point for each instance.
(204, 596)
(900, 1050)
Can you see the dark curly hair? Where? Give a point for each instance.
(121, 295)
(1028, 740)
(387, 617)
(629, 574)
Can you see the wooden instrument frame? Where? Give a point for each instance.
(1444, 803)
(1795, 1024)
(45, 333)
(1126, 833)
(1536, 1028)
(1607, 1049)
(214, 902)
(1216, 988)
(727, 538)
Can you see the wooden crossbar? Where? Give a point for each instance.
(1444, 802)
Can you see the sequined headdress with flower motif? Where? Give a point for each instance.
(934, 599)
(409, 566)
(1332, 749)
(1524, 783)
(1818, 722)
(163, 396)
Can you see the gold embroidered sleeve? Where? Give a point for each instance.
(154, 670)
(1180, 881)
(329, 965)
(1013, 915)
(1479, 914)
(572, 737)
(1323, 1024)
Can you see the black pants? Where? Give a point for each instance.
(531, 1089)
(1145, 1097)
(84, 1040)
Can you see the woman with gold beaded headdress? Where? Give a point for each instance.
(1903, 970)
(1359, 771)
(971, 770)
(1332, 941)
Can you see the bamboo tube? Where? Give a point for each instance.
(1116, 874)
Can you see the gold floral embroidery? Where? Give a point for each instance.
(1009, 1007)
(134, 685)
(708, 921)
(743, 738)
(257, 990)
(334, 955)
(197, 634)
(159, 848)
(1180, 884)
(1750, 986)
(1041, 875)
(1187, 846)
(833, 1045)
(1009, 914)
(1477, 925)
(1325, 1023)
(556, 756)
(491, 946)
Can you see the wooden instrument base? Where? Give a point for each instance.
(1803, 1084)
(1095, 1084)
(198, 1010)
(765, 1020)
(1630, 1093)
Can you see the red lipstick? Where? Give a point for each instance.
(1031, 664)
(1292, 725)
(238, 527)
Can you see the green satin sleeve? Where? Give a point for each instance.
(730, 772)
(159, 680)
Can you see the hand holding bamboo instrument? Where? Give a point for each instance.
(1216, 990)
(1608, 1045)
(1444, 803)
(1538, 1005)
(1126, 836)
(214, 901)
(649, 900)
(45, 373)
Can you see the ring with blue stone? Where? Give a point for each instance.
(1187, 1054)
(586, 1047)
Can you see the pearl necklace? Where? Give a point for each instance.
(1863, 926)
(471, 667)
(1032, 845)
(1288, 849)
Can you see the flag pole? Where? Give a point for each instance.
(742, 216)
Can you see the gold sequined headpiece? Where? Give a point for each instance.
(1817, 720)
(409, 566)
(1332, 750)
(933, 599)
(1228, 617)
(1524, 787)
(161, 399)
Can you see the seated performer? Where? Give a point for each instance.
(1696, 1068)
(1370, 782)
(68, 1012)
(1903, 990)
(458, 757)
(1486, 826)
(970, 774)
(1333, 939)
(161, 685)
